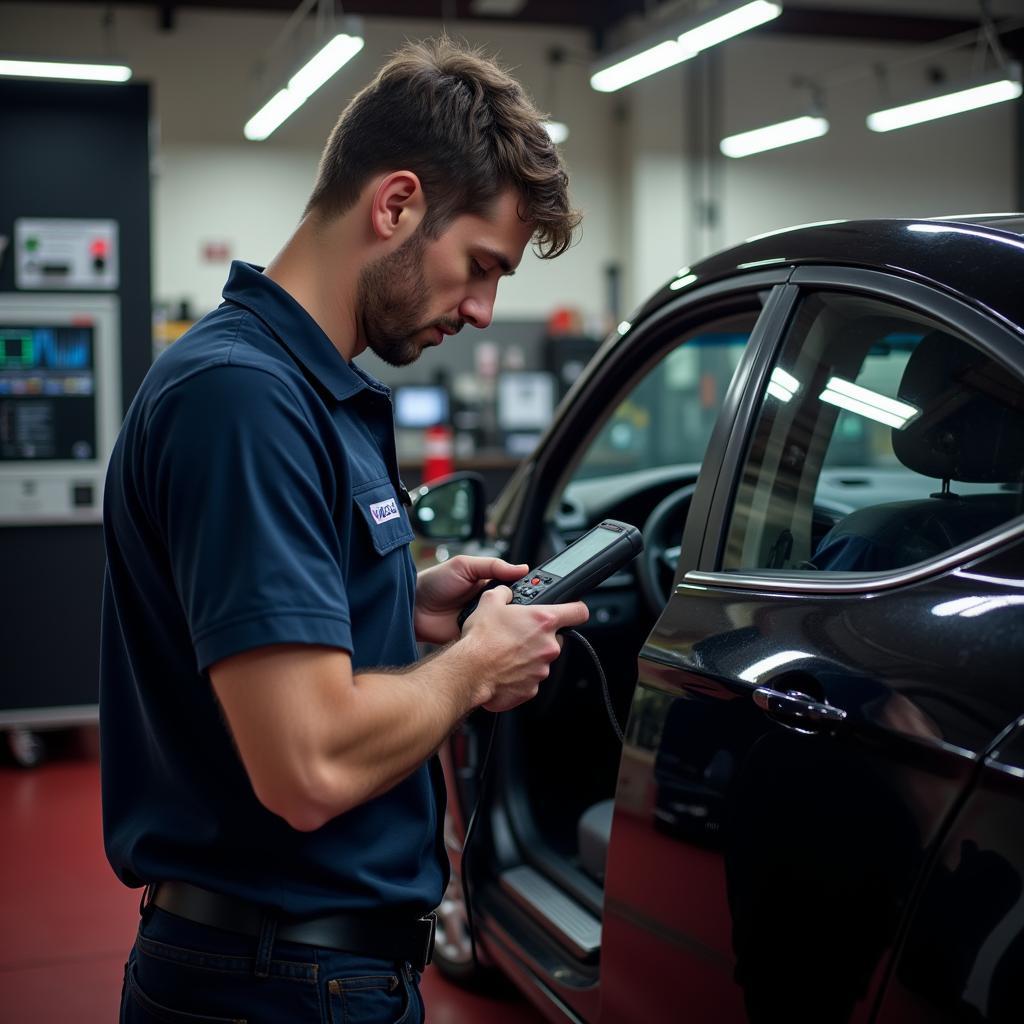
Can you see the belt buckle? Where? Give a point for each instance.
(430, 920)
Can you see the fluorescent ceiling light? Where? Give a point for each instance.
(59, 69)
(873, 406)
(641, 65)
(996, 89)
(675, 42)
(731, 23)
(335, 55)
(772, 136)
(557, 131)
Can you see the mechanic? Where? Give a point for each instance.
(267, 733)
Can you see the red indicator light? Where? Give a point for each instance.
(98, 247)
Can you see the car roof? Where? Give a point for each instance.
(977, 257)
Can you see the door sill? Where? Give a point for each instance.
(560, 915)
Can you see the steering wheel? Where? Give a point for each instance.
(663, 530)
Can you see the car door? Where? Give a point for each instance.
(810, 717)
(962, 955)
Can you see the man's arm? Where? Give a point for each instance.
(317, 740)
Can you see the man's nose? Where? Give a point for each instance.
(477, 310)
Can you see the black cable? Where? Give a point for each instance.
(485, 764)
(604, 683)
(463, 864)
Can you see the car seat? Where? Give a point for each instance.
(970, 429)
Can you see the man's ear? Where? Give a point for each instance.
(398, 206)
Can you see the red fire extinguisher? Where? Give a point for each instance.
(438, 458)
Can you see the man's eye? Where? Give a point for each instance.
(476, 270)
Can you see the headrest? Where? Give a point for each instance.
(971, 425)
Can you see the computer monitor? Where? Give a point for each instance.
(418, 406)
(526, 400)
(60, 391)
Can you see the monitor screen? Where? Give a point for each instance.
(526, 400)
(420, 405)
(47, 393)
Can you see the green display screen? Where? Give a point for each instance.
(582, 551)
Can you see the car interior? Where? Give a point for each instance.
(971, 430)
(889, 404)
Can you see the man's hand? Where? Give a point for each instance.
(442, 591)
(515, 645)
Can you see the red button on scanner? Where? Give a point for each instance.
(535, 581)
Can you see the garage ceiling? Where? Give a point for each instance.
(914, 21)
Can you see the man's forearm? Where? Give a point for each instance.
(391, 722)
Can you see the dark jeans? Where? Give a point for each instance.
(180, 971)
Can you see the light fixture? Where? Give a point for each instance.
(772, 136)
(313, 74)
(677, 41)
(867, 403)
(997, 87)
(557, 131)
(65, 70)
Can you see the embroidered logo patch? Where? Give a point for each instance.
(382, 511)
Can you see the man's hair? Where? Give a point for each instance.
(465, 127)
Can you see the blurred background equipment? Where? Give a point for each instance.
(75, 327)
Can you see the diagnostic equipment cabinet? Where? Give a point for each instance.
(75, 342)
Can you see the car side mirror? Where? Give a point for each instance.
(450, 509)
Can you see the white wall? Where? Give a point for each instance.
(210, 184)
(222, 193)
(634, 174)
(962, 164)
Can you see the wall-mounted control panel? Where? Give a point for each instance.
(59, 253)
(60, 405)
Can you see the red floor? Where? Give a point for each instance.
(66, 923)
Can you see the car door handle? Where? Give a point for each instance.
(797, 710)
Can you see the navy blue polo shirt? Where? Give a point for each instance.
(252, 498)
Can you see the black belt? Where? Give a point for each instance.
(380, 935)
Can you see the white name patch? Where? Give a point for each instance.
(382, 511)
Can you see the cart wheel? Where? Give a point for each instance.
(26, 747)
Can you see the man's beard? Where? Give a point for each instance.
(392, 301)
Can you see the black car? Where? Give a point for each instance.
(818, 660)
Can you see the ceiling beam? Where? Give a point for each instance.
(822, 22)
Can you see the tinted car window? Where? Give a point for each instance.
(666, 419)
(884, 439)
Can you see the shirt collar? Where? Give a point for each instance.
(297, 331)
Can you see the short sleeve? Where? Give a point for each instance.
(241, 489)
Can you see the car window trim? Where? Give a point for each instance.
(996, 336)
(859, 583)
(721, 462)
(993, 335)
